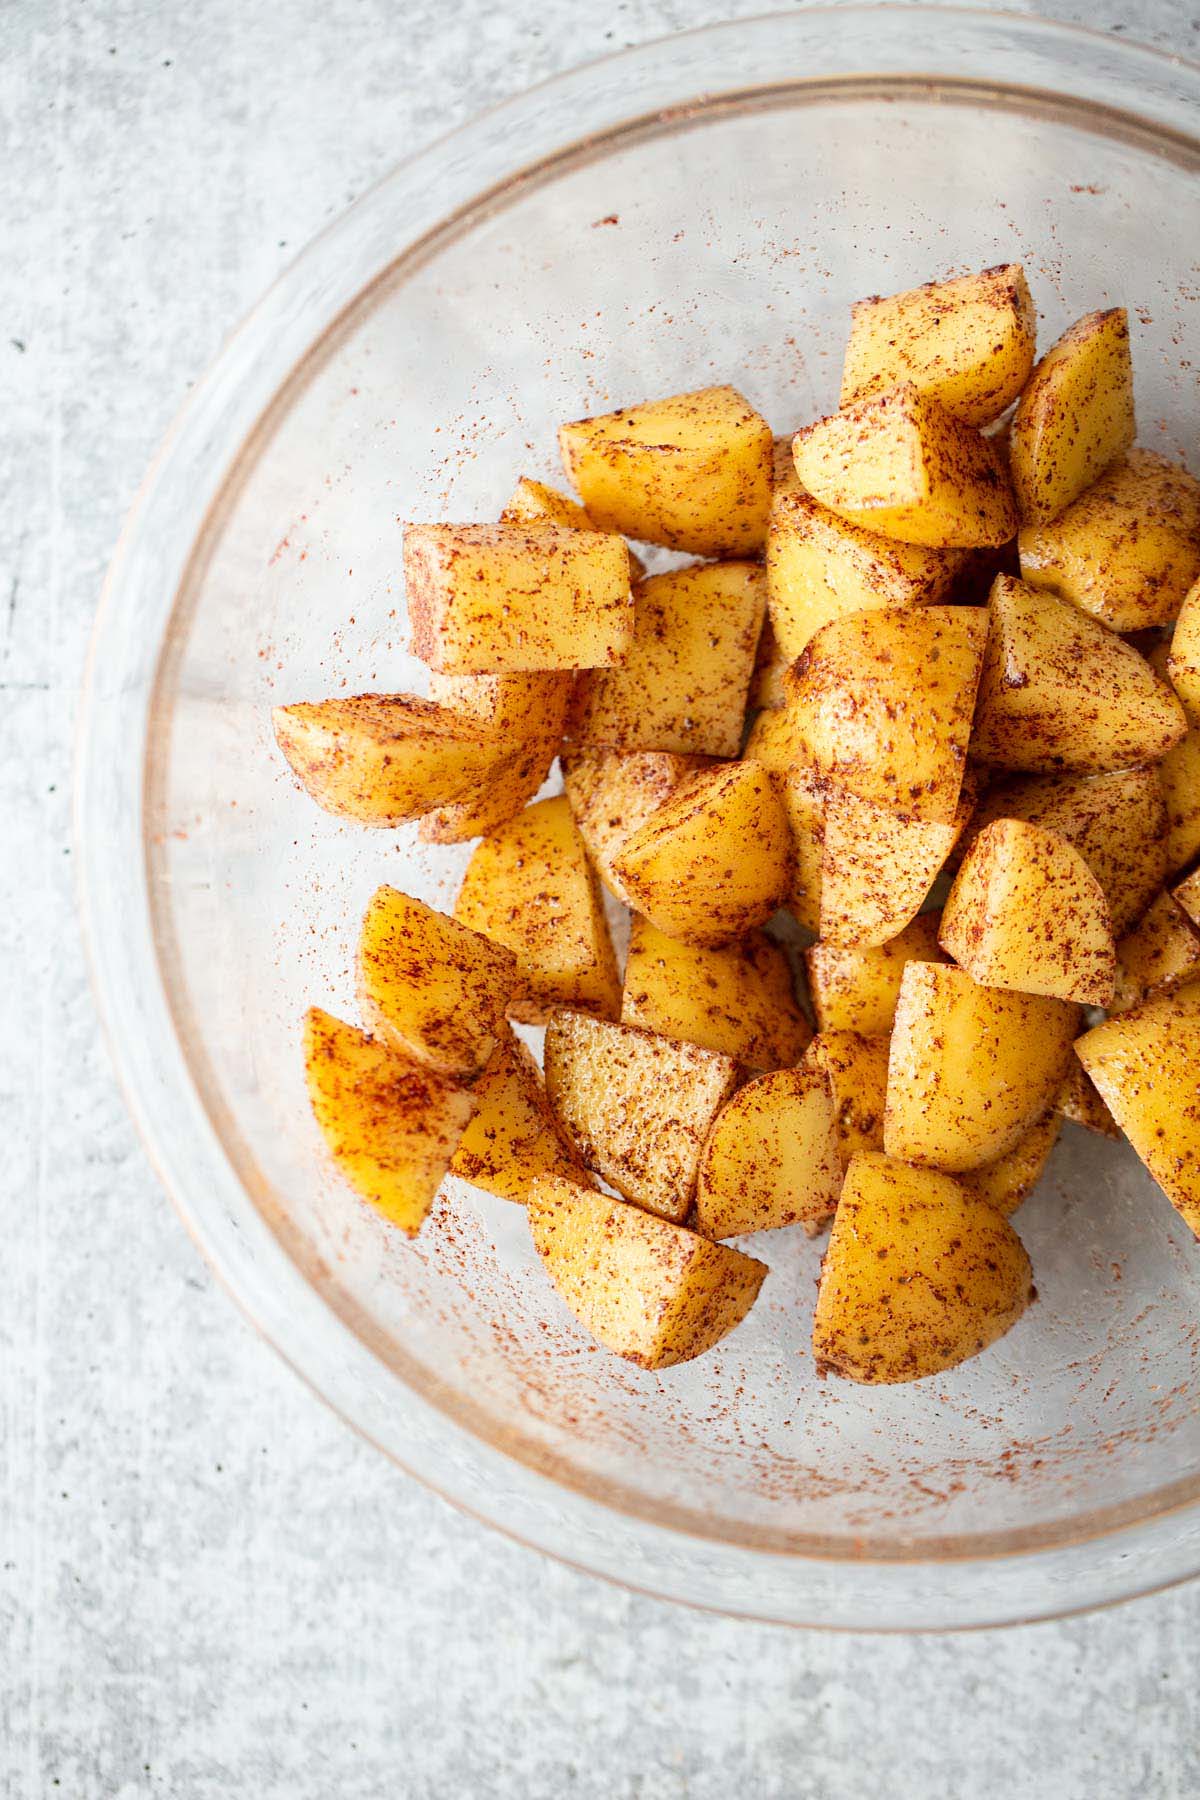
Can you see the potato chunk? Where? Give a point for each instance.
(879, 865)
(918, 1275)
(1061, 691)
(525, 716)
(856, 1069)
(1145, 1064)
(1008, 1182)
(971, 1069)
(1079, 1101)
(766, 683)
(857, 989)
(684, 681)
(738, 999)
(968, 343)
(1179, 777)
(1075, 416)
(771, 1158)
(803, 794)
(886, 699)
(529, 886)
(1026, 912)
(1127, 550)
(391, 1125)
(1183, 659)
(383, 758)
(900, 464)
(646, 1289)
(636, 1107)
(614, 792)
(1187, 895)
(693, 472)
(429, 987)
(1161, 952)
(496, 599)
(535, 503)
(714, 861)
(514, 1136)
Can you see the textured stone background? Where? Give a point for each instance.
(208, 1587)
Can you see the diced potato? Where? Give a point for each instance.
(771, 1158)
(900, 464)
(1061, 691)
(1008, 1182)
(646, 1289)
(856, 1069)
(886, 700)
(857, 989)
(738, 999)
(1144, 1064)
(971, 1069)
(1183, 658)
(1179, 776)
(1187, 895)
(614, 792)
(525, 716)
(715, 859)
(918, 1275)
(514, 1136)
(693, 472)
(802, 792)
(1075, 416)
(1161, 952)
(530, 887)
(1128, 549)
(777, 739)
(636, 1107)
(968, 343)
(820, 566)
(497, 599)
(429, 987)
(535, 503)
(766, 683)
(879, 866)
(783, 465)
(383, 758)
(685, 678)
(1026, 912)
(391, 1124)
(1079, 1101)
(1117, 822)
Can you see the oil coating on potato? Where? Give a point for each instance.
(857, 989)
(1075, 415)
(738, 999)
(1008, 1182)
(918, 1275)
(614, 792)
(771, 1158)
(525, 715)
(879, 865)
(646, 1289)
(1161, 952)
(1183, 658)
(856, 1069)
(514, 1135)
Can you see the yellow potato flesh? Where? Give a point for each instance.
(1183, 662)
(738, 999)
(802, 793)
(878, 867)
(614, 792)
(857, 989)
(1079, 1101)
(1187, 895)
(1075, 416)
(1008, 1182)
(856, 1069)
(771, 1158)
(525, 715)
(1162, 951)
(513, 1136)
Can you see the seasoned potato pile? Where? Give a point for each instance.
(867, 754)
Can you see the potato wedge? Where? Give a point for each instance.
(498, 599)
(648, 1290)
(771, 1158)
(685, 678)
(693, 472)
(1160, 953)
(918, 1275)
(714, 861)
(514, 1136)
(1183, 658)
(1127, 550)
(856, 1069)
(857, 989)
(879, 865)
(1061, 691)
(1144, 1064)
(391, 1125)
(739, 999)
(971, 1069)
(525, 715)
(1026, 912)
(1075, 416)
(636, 1107)
(968, 343)
(1008, 1182)
(901, 465)
(429, 987)
(613, 793)
(529, 886)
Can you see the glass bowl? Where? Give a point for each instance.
(703, 208)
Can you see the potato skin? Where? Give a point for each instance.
(771, 1158)
(612, 793)
(525, 716)
(738, 999)
(857, 989)
(514, 1135)
(1075, 415)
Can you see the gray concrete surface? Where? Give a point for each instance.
(208, 1587)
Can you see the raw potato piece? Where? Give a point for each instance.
(1179, 776)
(514, 1136)
(1079, 1101)
(1127, 550)
(714, 861)
(771, 1158)
(803, 795)
(530, 887)
(614, 792)
(879, 866)
(766, 684)
(524, 716)
(918, 1275)
(496, 599)
(683, 683)
(1183, 660)
(1160, 953)
(778, 740)
(971, 1069)
(885, 700)
(383, 758)
(390, 1124)
(968, 343)
(739, 999)
(636, 1107)
(857, 989)
(648, 1290)
(1061, 691)
(1145, 1064)
(1075, 416)
(535, 503)
(428, 987)
(900, 464)
(1008, 1182)
(693, 472)
(1187, 895)
(1026, 912)
(856, 1069)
